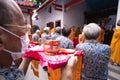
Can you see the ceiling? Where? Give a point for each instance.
(101, 4)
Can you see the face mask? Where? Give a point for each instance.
(24, 42)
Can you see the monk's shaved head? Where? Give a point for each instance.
(8, 12)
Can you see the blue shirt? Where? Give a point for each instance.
(44, 37)
(11, 74)
(54, 36)
(65, 42)
(35, 37)
(96, 58)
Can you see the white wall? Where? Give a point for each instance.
(45, 17)
(74, 16)
(118, 13)
(71, 17)
(27, 17)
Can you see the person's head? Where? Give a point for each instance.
(37, 31)
(12, 28)
(91, 31)
(58, 30)
(46, 29)
(66, 31)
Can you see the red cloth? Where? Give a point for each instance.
(53, 62)
(75, 41)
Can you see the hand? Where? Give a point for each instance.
(72, 61)
(67, 71)
(24, 64)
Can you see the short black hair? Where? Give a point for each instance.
(66, 31)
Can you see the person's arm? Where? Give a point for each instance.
(67, 71)
(24, 64)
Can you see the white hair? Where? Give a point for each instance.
(37, 30)
(91, 31)
(58, 29)
(46, 28)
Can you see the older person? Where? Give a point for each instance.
(45, 35)
(96, 55)
(57, 33)
(65, 42)
(13, 41)
(36, 36)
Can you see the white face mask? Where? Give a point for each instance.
(24, 42)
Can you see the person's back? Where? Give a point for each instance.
(45, 35)
(96, 55)
(65, 42)
(57, 33)
(36, 36)
(55, 36)
(95, 60)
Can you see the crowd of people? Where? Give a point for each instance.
(15, 41)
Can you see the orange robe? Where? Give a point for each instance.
(81, 38)
(72, 34)
(52, 30)
(115, 47)
(101, 36)
(34, 66)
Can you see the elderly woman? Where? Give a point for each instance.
(96, 55)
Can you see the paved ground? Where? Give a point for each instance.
(30, 76)
(114, 73)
